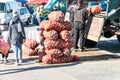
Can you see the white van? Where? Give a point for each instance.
(6, 8)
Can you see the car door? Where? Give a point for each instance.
(4, 12)
(24, 14)
(8, 13)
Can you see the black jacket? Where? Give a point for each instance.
(80, 15)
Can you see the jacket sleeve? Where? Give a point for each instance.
(85, 13)
(10, 31)
(23, 31)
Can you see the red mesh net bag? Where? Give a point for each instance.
(64, 44)
(75, 58)
(65, 35)
(47, 59)
(4, 46)
(51, 44)
(54, 53)
(48, 25)
(30, 43)
(57, 41)
(66, 26)
(29, 52)
(43, 24)
(67, 51)
(52, 35)
(96, 9)
(57, 16)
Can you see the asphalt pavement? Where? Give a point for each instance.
(80, 70)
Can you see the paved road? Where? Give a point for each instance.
(81, 70)
(109, 45)
(29, 70)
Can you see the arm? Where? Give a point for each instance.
(23, 31)
(10, 31)
(85, 13)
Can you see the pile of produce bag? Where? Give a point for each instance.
(56, 40)
(30, 47)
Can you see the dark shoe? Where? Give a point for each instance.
(77, 47)
(16, 64)
(20, 61)
(82, 49)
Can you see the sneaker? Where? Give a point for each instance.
(16, 64)
(5, 61)
(2, 61)
(20, 61)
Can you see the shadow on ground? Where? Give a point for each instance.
(84, 57)
(112, 46)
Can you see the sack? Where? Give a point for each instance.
(4, 46)
(31, 43)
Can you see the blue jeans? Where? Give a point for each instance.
(17, 48)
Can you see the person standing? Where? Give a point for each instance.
(4, 37)
(4, 51)
(71, 17)
(80, 17)
(40, 13)
(17, 36)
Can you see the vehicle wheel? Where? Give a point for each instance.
(118, 38)
(28, 21)
(107, 34)
(90, 43)
(35, 21)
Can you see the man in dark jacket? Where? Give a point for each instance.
(17, 35)
(80, 17)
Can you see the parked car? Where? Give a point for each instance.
(25, 15)
(6, 8)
